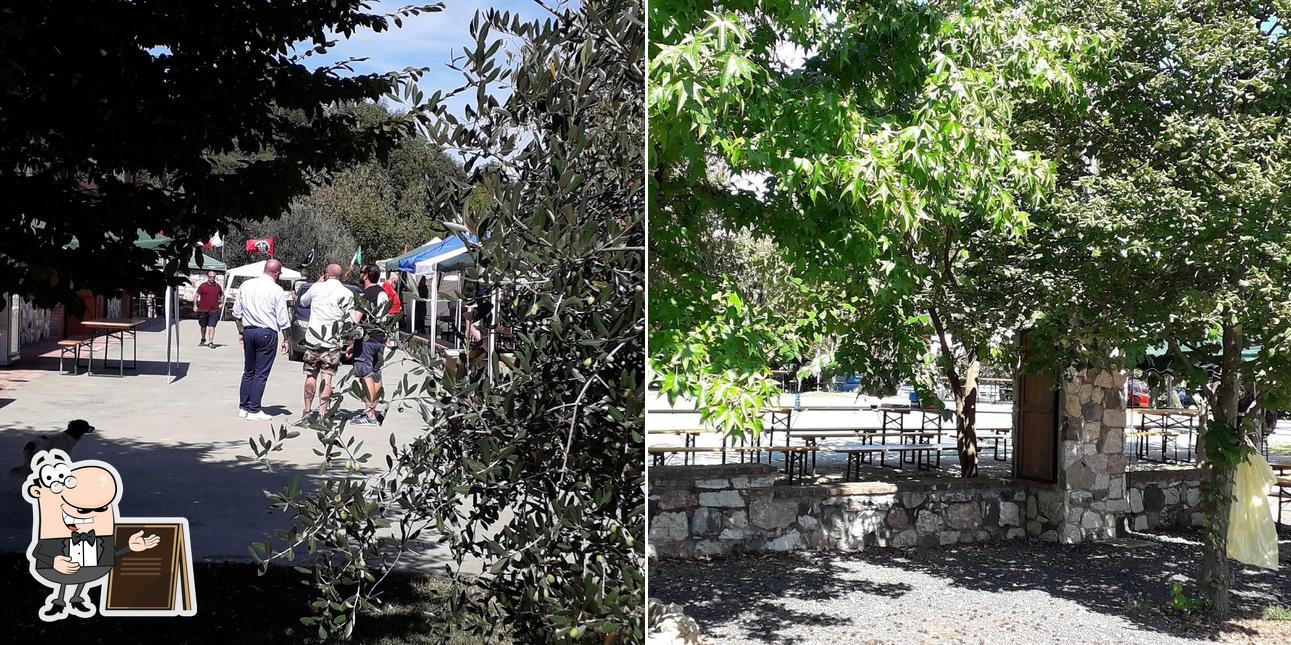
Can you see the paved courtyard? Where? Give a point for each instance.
(176, 443)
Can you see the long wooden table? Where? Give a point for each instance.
(109, 328)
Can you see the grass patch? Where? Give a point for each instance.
(234, 605)
(1276, 612)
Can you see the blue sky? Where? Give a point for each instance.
(428, 40)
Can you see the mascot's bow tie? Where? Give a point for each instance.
(86, 537)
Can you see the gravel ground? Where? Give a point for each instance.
(1007, 592)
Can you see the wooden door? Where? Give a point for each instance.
(1036, 457)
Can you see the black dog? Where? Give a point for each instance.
(65, 441)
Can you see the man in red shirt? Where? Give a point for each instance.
(391, 287)
(207, 303)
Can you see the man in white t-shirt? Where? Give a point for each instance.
(331, 306)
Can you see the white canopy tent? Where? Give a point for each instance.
(238, 275)
(257, 268)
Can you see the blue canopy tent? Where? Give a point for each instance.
(451, 255)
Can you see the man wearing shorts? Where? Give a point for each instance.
(207, 300)
(372, 349)
(331, 306)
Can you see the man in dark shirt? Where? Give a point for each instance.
(371, 350)
(208, 308)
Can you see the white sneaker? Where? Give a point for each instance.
(242, 414)
(258, 416)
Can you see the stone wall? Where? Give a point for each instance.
(1164, 498)
(719, 510)
(1090, 492)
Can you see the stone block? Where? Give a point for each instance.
(913, 501)
(1086, 392)
(1118, 380)
(1112, 442)
(1119, 505)
(713, 483)
(737, 520)
(1153, 499)
(1136, 500)
(1033, 509)
(722, 499)
(1071, 453)
(1101, 482)
(1114, 418)
(963, 515)
(675, 498)
(705, 521)
(1113, 399)
(898, 518)
(734, 534)
(1116, 487)
(1071, 404)
(1090, 431)
(928, 522)
(947, 537)
(866, 523)
(1193, 496)
(1049, 536)
(905, 538)
(1015, 533)
(1103, 379)
(711, 548)
(1171, 495)
(807, 523)
(1090, 412)
(1140, 522)
(669, 527)
(772, 513)
(1034, 529)
(787, 542)
(1197, 519)
(1116, 464)
(1097, 464)
(1079, 477)
(1070, 534)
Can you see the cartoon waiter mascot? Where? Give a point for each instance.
(74, 512)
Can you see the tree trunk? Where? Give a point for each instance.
(1217, 494)
(1216, 572)
(966, 421)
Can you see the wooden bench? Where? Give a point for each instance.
(922, 455)
(71, 346)
(660, 453)
(795, 456)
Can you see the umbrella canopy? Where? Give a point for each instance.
(257, 268)
(1159, 359)
(392, 264)
(208, 263)
(449, 255)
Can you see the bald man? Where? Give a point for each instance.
(261, 315)
(75, 512)
(331, 306)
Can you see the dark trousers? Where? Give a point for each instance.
(258, 347)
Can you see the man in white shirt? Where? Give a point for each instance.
(260, 313)
(331, 306)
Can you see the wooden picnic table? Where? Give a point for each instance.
(109, 328)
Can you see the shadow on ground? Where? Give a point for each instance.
(722, 591)
(223, 499)
(1129, 578)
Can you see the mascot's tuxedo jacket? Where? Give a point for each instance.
(85, 549)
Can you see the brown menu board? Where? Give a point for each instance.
(156, 582)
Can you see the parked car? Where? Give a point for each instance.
(1137, 394)
(300, 322)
